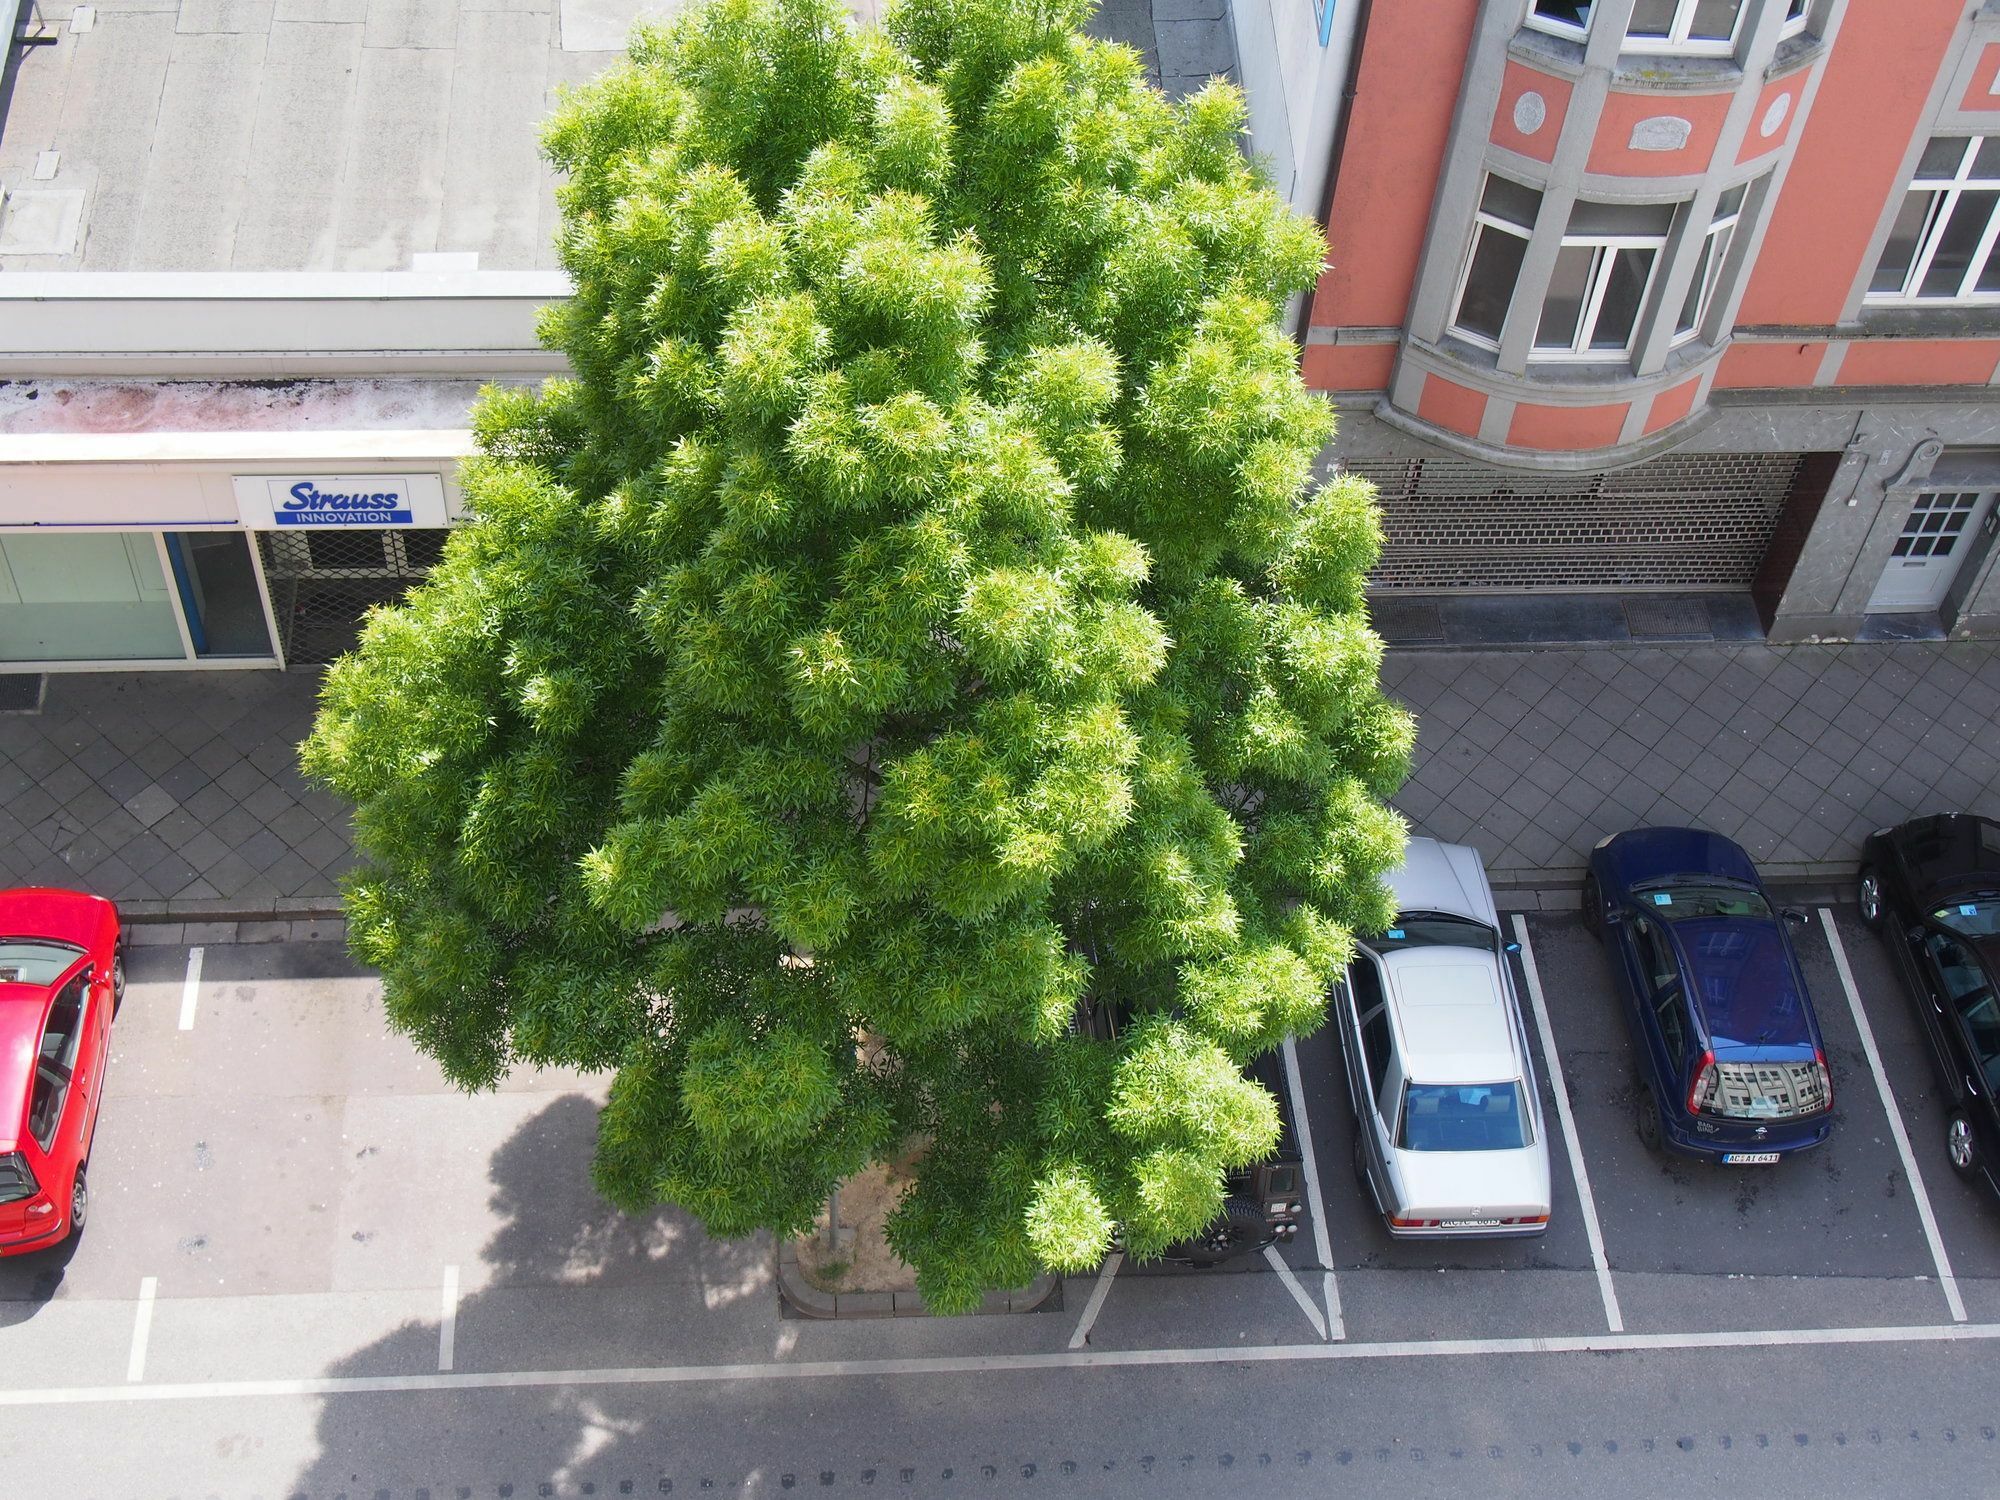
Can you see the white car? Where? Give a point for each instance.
(1449, 1139)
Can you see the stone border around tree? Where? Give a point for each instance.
(799, 1298)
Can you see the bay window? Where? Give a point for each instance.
(1708, 265)
(1940, 248)
(1601, 278)
(1704, 27)
(1500, 232)
(1569, 18)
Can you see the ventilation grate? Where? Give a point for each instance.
(323, 583)
(1682, 521)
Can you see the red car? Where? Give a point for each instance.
(62, 974)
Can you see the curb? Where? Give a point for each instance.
(242, 909)
(799, 1298)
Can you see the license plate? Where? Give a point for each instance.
(1467, 1223)
(1748, 1158)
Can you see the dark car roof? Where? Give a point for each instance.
(1649, 853)
(1949, 852)
(1744, 985)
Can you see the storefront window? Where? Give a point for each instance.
(85, 596)
(218, 589)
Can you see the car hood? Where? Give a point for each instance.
(1442, 877)
(1748, 990)
(1651, 853)
(1451, 1184)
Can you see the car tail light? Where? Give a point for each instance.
(1825, 1100)
(1703, 1091)
(1396, 1223)
(1528, 1219)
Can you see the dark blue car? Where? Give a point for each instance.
(1728, 1046)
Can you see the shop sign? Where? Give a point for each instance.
(269, 501)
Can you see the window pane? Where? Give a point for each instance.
(1901, 249)
(1989, 276)
(1691, 303)
(1510, 201)
(1625, 290)
(1568, 12)
(1731, 202)
(1714, 20)
(1941, 158)
(1489, 284)
(1653, 18)
(1589, 219)
(1569, 288)
(1986, 160)
(1796, 10)
(1956, 244)
(85, 596)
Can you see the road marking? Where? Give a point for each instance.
(142, 1329)
(448, 1321)
(1299, 1294)
(191, 989)
(1868, 1049)
(1097, 1295)
(1335, 1328)
(1552, 1060)
(1001, 1364)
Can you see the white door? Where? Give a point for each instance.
(1933, 543)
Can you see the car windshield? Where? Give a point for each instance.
(1462, 1117)
(34, 960)
(1678, 900)
(1436, 929)
(1973, 915)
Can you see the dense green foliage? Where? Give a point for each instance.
(922, 574)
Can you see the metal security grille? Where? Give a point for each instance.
(1683, 521)
(322, 582)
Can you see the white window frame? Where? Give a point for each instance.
(1794, 23)
(1481, 222)
(1708, 266)
(1945, 194)
(1535, 21)
(1606, 246)
(1678, 41)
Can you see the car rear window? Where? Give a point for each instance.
(34, 960)
(1462, 1117)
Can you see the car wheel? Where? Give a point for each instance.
(1648, 1121)
(1239, 1229)
(1961, 1144)
(117, 979)
(1868, 895)
(1593, 907)
(79, 1204)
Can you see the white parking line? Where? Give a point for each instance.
(1552, 1060)
(1889, 1107)
(448, 1320)
(1000, 1364)
(1336, 1326)
(1097, 1295)
(191, 989)
(1299, 1294)
(142, 1329)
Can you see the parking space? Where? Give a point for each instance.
(307, 1195)
(1967, 1213)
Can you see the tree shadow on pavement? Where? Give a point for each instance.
(565, 1282)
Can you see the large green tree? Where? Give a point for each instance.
(914, 623)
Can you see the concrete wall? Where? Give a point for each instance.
(275, 323)
(1293, 82)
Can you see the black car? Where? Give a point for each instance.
(1931, 888)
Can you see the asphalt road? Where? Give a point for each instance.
(313, 1269)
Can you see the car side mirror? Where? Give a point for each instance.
(1796, 917)
(1614, 917)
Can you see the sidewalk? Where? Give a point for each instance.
(1796, 752)
(178, 794)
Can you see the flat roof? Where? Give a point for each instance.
(281, 135)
